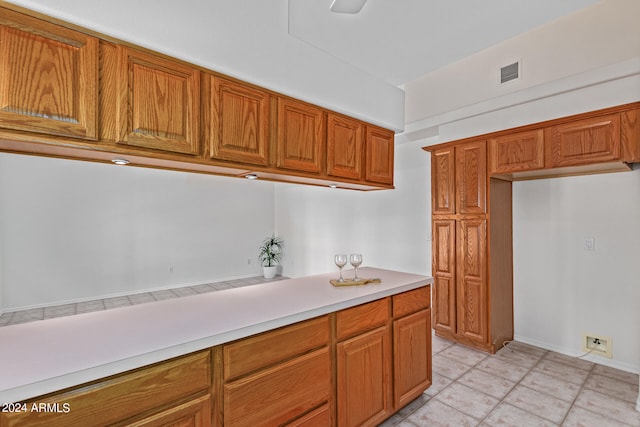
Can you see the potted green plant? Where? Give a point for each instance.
(270, 254)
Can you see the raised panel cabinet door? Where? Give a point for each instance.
(301, 137)
(471, 292)
(344, 147)
(471, 177)
(585, 141)
(411, 357)
(444, 275)
(48, 78)
(159, 103)
(630, 135)
(379, 150)
(364, 379)
(521, 151)
(443, 182)
(238, 122)
(195, 413)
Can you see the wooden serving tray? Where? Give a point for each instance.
(351, 282)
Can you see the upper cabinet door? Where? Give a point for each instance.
(379, 164)
(48, 78)
(158, 105)
(344, 147)
(301, 136)
(238, 122)
(516, 152)
(585, 141)
(443, 182)
(471, 177)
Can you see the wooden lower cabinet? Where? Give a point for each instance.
(364, 373)
(412, 357)
(355, 367)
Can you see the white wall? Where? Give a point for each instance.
(603, 34)
(561, 290)
(389, 227)
(73, 230)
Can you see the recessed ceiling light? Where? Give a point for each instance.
(251, 176)
(120, 161)
(347, 6)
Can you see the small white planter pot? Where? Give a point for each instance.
(269, 272)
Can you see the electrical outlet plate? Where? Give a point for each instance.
(597, 345)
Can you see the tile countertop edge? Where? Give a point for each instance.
(54, 383)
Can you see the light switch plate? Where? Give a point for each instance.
(589, 244)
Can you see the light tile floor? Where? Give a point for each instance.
(23, 316)
(522, 386)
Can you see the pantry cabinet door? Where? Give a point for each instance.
(471, 178)
(48, 78)
(444, 275)
(443, 182)
(471, 281)
(159, 103)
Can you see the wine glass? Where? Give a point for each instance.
(356, 260)
(341, 261)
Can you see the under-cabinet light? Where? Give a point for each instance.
(333, 186)
(251, 176)
(120, 161)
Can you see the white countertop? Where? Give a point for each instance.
(44, 356)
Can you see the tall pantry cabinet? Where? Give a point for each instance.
(472, 267)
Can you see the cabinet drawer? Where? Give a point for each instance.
(362, 318)
(259, 351)
(583, 142)
(522, 151)
(412, 301)
(320, 417)
(280, 393)
(123, 396)
(195, 413)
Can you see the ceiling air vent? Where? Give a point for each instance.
(510, 72)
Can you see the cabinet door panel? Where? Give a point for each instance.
(443, 182)
(471, 283)
(412, 356)
(48, 78)
(364, 373)
(344, 147)
(444, 274)
(301, 136)
(585, 141)
(471, 178)
(517, 152)
(379, 164)
(238, 122)
(159, 103)
(320, 417)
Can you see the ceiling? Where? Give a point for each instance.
(400, 40)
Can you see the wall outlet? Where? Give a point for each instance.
(596, 344)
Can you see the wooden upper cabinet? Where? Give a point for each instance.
(630, 135)
(158, 103)
(516, 152)
(301, 136)
(379, 162)
(585, 141)
(237, 122)
(471, 178)
(443, 182)
(344, 147)
(48, 78)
